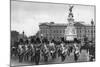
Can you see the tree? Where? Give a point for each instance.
(14, 35)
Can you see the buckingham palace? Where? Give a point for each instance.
(69, 31)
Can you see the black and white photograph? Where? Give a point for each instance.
(43, 33)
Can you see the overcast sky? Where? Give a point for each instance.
(27, 15)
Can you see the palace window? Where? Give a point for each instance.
(88, 31)
(60, 31)
(63, 31)
(80, 31)
(57, 31)
(54, 31)
(91, 31)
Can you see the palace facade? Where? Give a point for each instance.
(87, 31)
(56, 31)
(52, 30)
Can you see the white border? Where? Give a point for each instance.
(5, 32)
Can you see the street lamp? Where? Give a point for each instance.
(92, 23)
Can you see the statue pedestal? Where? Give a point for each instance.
(70, 32)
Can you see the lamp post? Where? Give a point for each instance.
(92, 30)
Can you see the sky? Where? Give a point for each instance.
(26, 16)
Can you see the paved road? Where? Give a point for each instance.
(69, 59)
